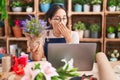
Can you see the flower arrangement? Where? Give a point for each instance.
(45, 71)
(114, 55)
(33, 26)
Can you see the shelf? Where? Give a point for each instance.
(21, 13)
(41, 13)
(17, 39)
(91, 39)
(3, 37)
(112, 40)
(108, 12)
(87, 13)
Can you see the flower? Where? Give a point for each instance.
(45, 71)
(34, 26)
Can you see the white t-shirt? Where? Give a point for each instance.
(74, 36)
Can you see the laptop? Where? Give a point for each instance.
(82, 54)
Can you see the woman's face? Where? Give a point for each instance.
(59, 17)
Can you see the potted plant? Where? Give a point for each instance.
(16, 28)
(45, 5)
(111, 32)
(77, 5)
(96, 5)
(118, 30)
(29, 6)
(86, 5)
(118, 5)
(94, 29)
(60, 2)
(113, 55)
(16, 6)
(87, 31)
(79, 27)
(111, 5)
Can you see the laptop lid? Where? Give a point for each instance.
(82, 54)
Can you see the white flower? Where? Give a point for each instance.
(48, 70)
(69, 63)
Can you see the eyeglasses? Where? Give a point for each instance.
(58, 19)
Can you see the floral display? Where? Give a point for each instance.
(45, 71)
(34, 29)
(34, 26)
(19, 64)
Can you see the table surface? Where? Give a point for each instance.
(94, 72)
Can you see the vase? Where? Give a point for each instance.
(35, 46)
(44, 7)
(17, 31)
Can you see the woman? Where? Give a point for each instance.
(57, 19)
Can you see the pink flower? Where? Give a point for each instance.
(48, 70)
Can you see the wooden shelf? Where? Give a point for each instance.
(91, 39)
(3, 37)
(21, 13)
(41, 13)
(17, 39)
(112, 40)
(87, 13)
(108, 12)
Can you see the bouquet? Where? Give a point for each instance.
(45, 71)
(34, 29)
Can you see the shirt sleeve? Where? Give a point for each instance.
(75, 37)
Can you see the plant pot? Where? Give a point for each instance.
(86, 8)
(17, 31)
(29, 9)
(113, 59)
(78, 8)
(44, 7)
(16, 9)
(112, 8)
(86, 34)
(97, 8)
(80, 33)
(118, 34)
(111, 35)
(94, 34)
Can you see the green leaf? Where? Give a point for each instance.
(37, 66)
(40, 76)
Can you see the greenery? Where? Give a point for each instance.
(45, 71)
(112, 3)
(118, 3)
(79, 26)
(96, 1)
(58, 1)
(77, 1)
(45, 1)
(111, 29)
(94, 28)
(3, 9)
(86, 1)
(16, 4)
(118, 27)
